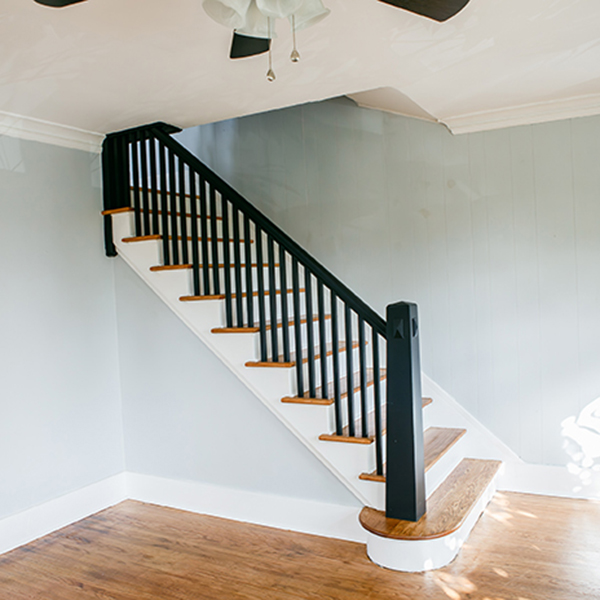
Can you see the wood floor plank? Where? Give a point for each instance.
(524, 547)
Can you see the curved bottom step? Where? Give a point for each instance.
(434, 540)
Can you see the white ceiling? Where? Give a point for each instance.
(104, 65)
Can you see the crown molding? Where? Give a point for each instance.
(525, 114)
(29, 128)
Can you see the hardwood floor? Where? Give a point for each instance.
(523, 548)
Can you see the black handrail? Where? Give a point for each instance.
(146, 170)
(282, 238)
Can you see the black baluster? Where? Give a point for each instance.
(204, 234)
(349, 372)
(337, 396)
(322, 339)
(163, 205)
(124, 185)
(183, 216)
(173, 208)
(136, 186)
(363, 375)
(377, 403)
(249, 283)
(284, 304)
(273, 301)
(226, 258)
(262, 319)
(310, 341)
(195, 242)
(214, 244)
(145, 195)
(297, 328)
(156, 222)
(237, 260)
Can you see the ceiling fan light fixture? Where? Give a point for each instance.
(310, 13)
(230, 13)
(256, 24)
(278, 9)
(58, 3)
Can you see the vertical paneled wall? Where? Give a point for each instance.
(496, 235)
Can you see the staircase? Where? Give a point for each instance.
(345, 381)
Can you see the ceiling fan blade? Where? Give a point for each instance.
(243, 46)
(438, 10)
(58, 3)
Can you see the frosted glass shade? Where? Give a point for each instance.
(309, 14)
(256, 18)
(256, 24)
(230, 13)
(278, 9)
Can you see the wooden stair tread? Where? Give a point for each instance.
(140, 238)
(436, 442)
(159, 268)
(292, 361)
(447, 507)
(331, 390)
(157, 236)
(189, 238)
(346, 437)
(116, 211)
(222, 296)
(159, 192)
(291, 321)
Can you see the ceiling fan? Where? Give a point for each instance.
(438, 10)
(58, 3)
(250, 19)
(251, 37)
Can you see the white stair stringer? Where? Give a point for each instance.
(346, 461)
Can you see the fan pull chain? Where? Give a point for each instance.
(295, 55)
(270, 72)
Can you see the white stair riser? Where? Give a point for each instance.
(426, 555)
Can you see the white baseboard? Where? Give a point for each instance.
(36, 522)
(548, 481)
(306, 516)
(295, 514)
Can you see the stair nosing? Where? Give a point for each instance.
(442, 492)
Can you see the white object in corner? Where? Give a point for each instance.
(425, 555)
(36, 522)
(37, 130)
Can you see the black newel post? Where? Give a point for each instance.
(405, 471)
(115, 184)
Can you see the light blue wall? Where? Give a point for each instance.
(187, 417)
(495, 235)
(60, 414)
